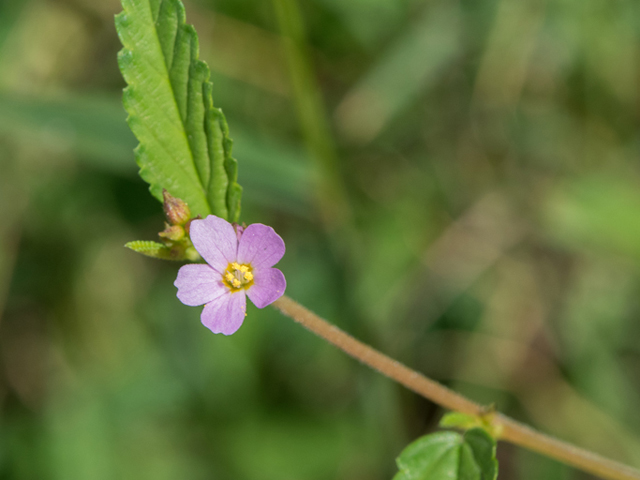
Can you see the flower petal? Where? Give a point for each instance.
(260, 246)
(226, 313)
(216, 240)
(269, 285)
(198, 284)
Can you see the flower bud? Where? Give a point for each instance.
(176, 210)
(187, 226)
(172, 232)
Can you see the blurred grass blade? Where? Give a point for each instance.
(596, 213)
(70, 124)
(311, 112)
(514, 37)
(274, 172)
(184, 141)
(412, 64)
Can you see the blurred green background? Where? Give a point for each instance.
(457, 182)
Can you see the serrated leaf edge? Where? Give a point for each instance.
(222, 196)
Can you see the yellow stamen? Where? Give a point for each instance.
(237, 276)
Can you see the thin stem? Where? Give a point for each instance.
(509, 429)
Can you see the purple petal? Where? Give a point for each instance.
(216, 240)
(198, 284)
(239, 230)
(268, 286)
(260, 246)
(226, 313)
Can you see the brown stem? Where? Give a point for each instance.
(509, 430)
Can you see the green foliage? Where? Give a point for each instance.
(463, 421)
(160, 251)
(184, 140)
(150, 249)
(460, 420)
(392, 84)
(483, 447)
(275, 170)
(450, 456)
(105, 374)
(598, 212)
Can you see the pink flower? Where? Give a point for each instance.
(238, 263)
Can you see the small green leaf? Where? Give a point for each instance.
(184, 140)
(156, 250)
(460, 420)
(449, 456)
(483, 447)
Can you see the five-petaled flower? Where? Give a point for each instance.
(238, 261)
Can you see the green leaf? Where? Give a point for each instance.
(449, 456)
(91, 127)
(467, 422)
(460, 420)
(184, 140)
(483, 447)
(154, 250)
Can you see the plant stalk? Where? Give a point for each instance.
(508, 430)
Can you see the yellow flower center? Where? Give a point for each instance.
(237, 276)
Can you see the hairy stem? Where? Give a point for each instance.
(508, 429)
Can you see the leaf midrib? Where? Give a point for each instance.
(181, 167)
(173, 96)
